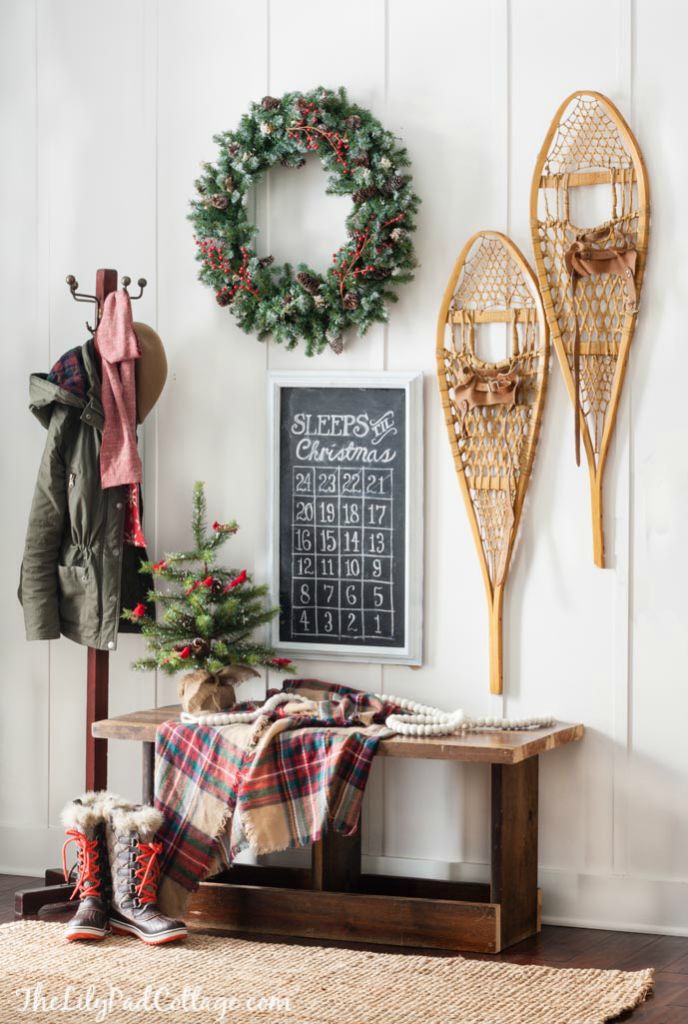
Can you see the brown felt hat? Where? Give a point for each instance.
(151, 370)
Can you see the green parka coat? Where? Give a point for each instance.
(77, 569)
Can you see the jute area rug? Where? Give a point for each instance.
(236, 981)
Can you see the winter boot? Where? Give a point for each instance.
(135, 870)
(84, 820)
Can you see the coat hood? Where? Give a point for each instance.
(73, 381)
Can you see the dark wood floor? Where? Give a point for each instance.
(554, 947)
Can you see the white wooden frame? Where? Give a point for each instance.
(412, 384)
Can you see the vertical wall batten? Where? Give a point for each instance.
(621, 512)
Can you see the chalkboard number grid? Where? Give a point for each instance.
(346, 473)
(342, 552)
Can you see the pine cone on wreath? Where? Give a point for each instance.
(265, 262)
(363, 194)
(232, 149)
(216, 587)
(269, 103)
(223, 298)
(394, 183)
(362, 161)
(350, 301)
(354, 121)
(219, 201)
(309, 282)
(229, 183)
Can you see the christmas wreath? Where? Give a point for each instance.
(363, 161)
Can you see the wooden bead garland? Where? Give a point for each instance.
(416, 719)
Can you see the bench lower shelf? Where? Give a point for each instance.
(434, 915)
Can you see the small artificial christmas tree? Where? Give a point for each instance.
(208, 613)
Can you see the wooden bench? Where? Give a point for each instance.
(336, 900)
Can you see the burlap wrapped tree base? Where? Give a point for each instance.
(207, 691)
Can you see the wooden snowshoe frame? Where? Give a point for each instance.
(493, 411)
(588, 144)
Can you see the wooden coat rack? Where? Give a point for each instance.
(30, 901)
(98, 662)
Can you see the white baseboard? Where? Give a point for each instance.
(624, 903)
(618, 902)
(628, 903)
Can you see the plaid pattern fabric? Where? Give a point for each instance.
(273, 784)
(69, 373)
(196, 784)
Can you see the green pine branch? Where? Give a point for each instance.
(207, 614)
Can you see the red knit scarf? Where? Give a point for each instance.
(120, 463)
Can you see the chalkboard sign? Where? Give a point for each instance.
(346, 501)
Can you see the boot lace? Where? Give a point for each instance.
(147, 872)
(88, 863)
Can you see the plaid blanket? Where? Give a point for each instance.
(273, 784)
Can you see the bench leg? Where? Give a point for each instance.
(148, 773)
(514, 849)
(336, 862)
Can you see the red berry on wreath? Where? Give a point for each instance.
(139, 611)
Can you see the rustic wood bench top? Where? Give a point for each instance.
(489, 747)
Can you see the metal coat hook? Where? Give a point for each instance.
(126, 281)
(78, 296)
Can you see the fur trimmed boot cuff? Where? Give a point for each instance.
(143, 820)
(91, 808)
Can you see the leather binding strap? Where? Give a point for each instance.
(474, 389)
(583, 260)
(485, 385)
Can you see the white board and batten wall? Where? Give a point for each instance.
(105, 115)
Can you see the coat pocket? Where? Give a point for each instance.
(78, 596)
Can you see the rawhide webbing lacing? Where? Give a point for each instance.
(583, 259)
(590, 276)
(493, 409)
